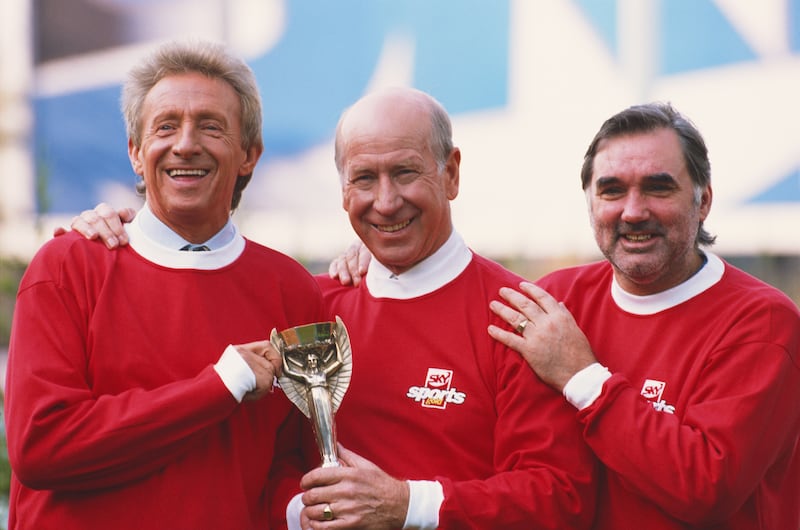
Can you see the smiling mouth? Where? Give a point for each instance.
(392, 228)
(187, 172)
(638, 237)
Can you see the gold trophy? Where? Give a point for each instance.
(317, 364)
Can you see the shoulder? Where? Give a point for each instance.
(333, 290)
(70, 248)
(268, 257)
(275, 266)
(69, 259)
(754, 295)
(492, 272)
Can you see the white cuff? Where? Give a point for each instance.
(585, 386)
(235, 373)
(425, 497)
(293, 510)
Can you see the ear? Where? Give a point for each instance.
(253, 153)
(342, 183)
(133, 155)
(705, 202)
(452, 173)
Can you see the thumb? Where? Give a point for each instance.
(351, 459)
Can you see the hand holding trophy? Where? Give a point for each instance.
(317, 364)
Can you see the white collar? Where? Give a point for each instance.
(156, 242)
(433, 272)
(708, 275)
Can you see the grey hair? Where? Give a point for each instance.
(210, 59)
(441, 133)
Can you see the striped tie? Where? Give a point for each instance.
(195, 248)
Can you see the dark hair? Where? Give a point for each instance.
(209, 59)
(648, 117)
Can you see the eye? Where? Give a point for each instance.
(211, 126)
(611, 191)
(362, 180)
(660, 188)
(405, 175)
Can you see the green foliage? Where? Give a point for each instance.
(10, 275)
(5, 467)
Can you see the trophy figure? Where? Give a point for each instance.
(317, 364)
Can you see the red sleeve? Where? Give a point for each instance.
(61, 435)
(701, 467)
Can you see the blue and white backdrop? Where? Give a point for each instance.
(527, 83)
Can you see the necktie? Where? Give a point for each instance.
(195, 248)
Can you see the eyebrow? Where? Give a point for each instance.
(204, 114)
(662, 177)
(408, 161)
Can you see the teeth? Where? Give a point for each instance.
(393, 228)
(638, 237)
(187, 172)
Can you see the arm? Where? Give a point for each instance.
(63, 434)
(729, 422)
(733, 435)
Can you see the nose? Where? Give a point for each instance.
(186, 142)
(635, 208)
(387, 196)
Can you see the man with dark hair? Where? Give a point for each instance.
(684, 370)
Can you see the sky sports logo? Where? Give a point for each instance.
(437, 392)
(652, 390)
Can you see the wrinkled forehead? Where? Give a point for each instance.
(389, 136)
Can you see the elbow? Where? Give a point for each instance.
(30, 471)
(717, 504)
(31, 463)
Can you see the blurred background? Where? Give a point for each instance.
(527, 84)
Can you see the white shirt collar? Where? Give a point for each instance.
(708, 275)
(430, 274)
(156, 242)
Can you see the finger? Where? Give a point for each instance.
(510, 314)
(333, 269)
(338, 270)
(504, 336)
(273, 356)
(83, 224)
(92, 226)
(526, 304)
(352, 459)
(112, 220)
(313, 515)
(352, 262)
(542, 298)
(127, 214)
(364, 256)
